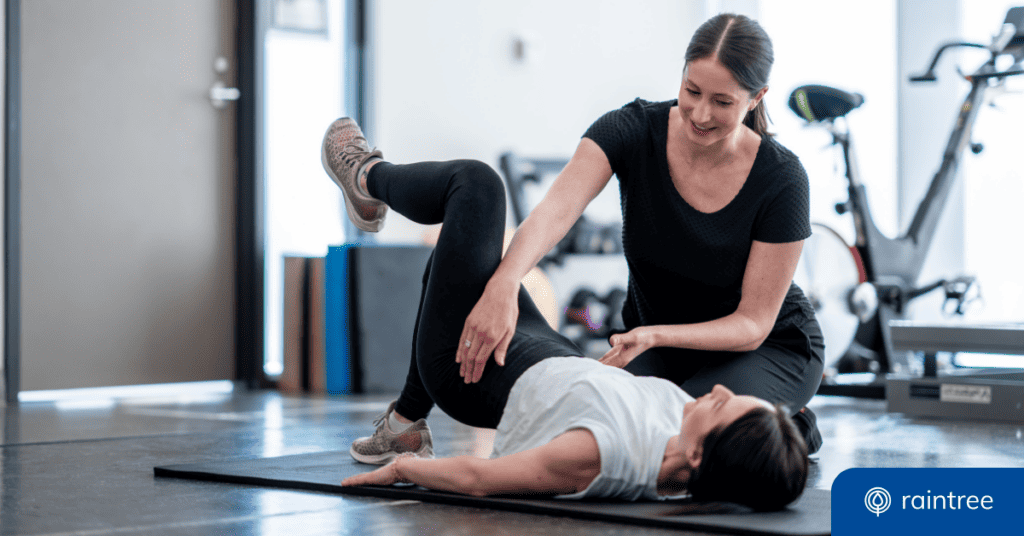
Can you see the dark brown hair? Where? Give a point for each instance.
(759, 461)
(742, 46)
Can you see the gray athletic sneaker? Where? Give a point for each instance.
(345, 155)
(384, 445)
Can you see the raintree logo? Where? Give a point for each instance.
(877, 500)
(903, 501)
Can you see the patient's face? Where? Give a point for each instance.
(717, 409)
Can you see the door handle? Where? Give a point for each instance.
(221, 94)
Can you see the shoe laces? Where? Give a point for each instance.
(353, 150)
(379, 424)
(380, 419)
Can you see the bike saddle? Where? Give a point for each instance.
(820, 103)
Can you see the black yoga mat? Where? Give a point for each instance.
(323, 471)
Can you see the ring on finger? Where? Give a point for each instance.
(468, 344)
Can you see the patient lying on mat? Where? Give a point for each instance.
(559, 436)
(566, 425)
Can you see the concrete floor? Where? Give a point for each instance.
(87, 468)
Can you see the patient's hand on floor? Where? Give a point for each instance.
(384, 476)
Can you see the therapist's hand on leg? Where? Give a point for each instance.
(488, 329)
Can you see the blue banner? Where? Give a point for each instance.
(877, 502)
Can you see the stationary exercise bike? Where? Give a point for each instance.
(857, 290)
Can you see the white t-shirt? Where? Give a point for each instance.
(632, 419)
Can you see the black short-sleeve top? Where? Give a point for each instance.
(687, 266)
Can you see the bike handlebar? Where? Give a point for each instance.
(929, 75)
(1007, 41)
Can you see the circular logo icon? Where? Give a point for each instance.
(877, 500)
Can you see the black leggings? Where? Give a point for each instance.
(468, 197)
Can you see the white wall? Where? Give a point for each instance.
(448, 86)
(927, 113)
(994, 184)
(811, 49)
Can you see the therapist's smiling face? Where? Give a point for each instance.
(712, 103)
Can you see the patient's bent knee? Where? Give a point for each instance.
(480, 182)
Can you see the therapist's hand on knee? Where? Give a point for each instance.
(488, 329)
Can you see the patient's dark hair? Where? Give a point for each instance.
(760, 461)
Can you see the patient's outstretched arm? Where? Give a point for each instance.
(566, 464)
